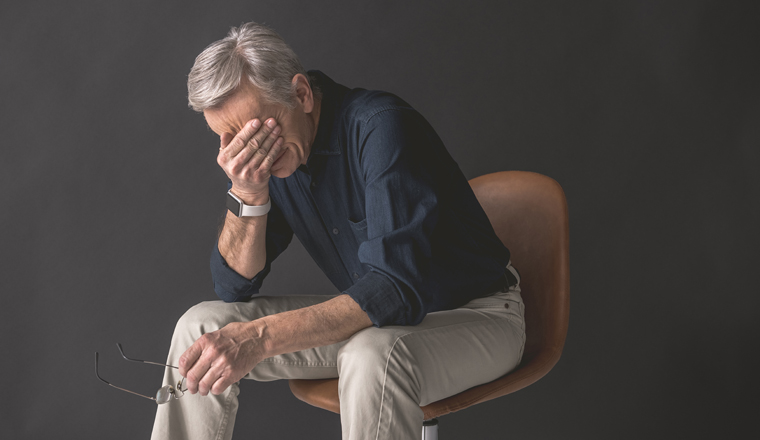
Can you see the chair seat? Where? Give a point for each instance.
(323, 393)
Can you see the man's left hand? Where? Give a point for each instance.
(218, 359)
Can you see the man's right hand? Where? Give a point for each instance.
(247, 159)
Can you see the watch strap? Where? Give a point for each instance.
(240, 209)
(255, 211)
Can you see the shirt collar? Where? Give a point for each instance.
(332, 96)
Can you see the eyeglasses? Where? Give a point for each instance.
(164, 394)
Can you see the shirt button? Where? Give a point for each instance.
(356, 276)
(313, 184)
(335, 231)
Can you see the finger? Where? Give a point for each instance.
(262, 163)
(260, 143)
(200, 368)
(242, 138)
(196, 375)
(259, 140)
(210, 378)
(225, 139)
(188, 358)
(222, 384)
(248, 160)
(258, 155)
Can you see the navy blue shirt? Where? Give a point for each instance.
(383, 209)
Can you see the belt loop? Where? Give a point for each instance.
(512, 279)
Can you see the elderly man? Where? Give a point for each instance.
(430, 305)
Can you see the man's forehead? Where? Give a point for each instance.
(241, 106)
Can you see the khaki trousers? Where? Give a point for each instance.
(385, 374)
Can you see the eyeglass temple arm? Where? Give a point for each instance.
(121, 350)
(118, 388)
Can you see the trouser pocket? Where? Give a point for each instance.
(502, 304)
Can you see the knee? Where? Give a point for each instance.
(210, 316)
(377, 352)
(202, 318)
(374, 360)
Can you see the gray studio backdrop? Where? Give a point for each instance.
(646, 112)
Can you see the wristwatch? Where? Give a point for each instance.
(240, 209)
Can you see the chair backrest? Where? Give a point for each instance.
(529, 214)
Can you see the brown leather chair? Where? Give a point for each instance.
(529, 214)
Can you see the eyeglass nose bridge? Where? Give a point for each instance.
(179, 392)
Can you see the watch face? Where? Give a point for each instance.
(233, 205)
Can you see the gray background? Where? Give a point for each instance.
(646, 112)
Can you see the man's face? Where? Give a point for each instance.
(298, 127)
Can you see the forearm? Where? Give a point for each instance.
(242, 241)
(322, 324)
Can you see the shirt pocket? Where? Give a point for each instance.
(360, 230)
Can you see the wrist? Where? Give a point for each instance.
(252, 199)
(260, 329)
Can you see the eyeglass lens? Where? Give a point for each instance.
(167, 392)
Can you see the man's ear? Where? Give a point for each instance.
(304, 95)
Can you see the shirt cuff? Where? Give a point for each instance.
(229, 285)
(379, 297)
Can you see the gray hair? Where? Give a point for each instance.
(251, 50)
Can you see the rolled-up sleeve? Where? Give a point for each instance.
(229, 285)
(398, 149)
